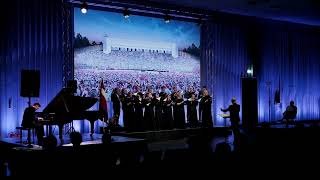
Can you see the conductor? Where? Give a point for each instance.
(234, 110)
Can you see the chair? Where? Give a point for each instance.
(21, 129)
(289, 118)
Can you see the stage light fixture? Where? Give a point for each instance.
(250, 71)
(84, 7)
(167, 18)
(126, 13)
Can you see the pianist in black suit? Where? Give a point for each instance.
(30, 121)
(116, 102)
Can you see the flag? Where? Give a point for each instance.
(103, 107)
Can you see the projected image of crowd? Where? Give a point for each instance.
(150, 90)
(93, 57)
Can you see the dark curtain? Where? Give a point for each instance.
(32, 37)
(224, 57)
(289, 56)
(285, 58)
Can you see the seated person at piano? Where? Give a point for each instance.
(30, 120)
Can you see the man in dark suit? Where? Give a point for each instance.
(290, 114)
(116, 104)
(30, 121)
(234, 110)
(200, 95)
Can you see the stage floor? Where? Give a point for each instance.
(154, 140)
(96, 139)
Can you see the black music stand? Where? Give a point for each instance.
(225, 117)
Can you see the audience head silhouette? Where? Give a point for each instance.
(49, 142)
(76, 139)
(223, 148)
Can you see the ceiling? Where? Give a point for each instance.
(296, 11)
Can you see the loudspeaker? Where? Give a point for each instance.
(30, 83)
(249, 102)
(72, 84)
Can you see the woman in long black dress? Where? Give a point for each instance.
(167, 113)
(148, 112)
(206, 102)
(138, 106)
(179, 115)
(192, 108)
(188, 95)
(129, 106)
(123, 99)
(157, 101)
(200, 95)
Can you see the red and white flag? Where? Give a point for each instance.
(103, 106)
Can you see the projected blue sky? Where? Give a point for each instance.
(96, 24)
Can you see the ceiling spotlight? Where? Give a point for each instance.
(126, 13)
(84, 7)
(167, 18)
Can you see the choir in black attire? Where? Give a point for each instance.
(149, 112)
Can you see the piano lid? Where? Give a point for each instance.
(66, 102)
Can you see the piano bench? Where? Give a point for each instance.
(21, 129)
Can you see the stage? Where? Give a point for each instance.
(122, 152)
(198, 146)
(122, 137)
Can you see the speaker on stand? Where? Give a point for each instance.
(30, 84)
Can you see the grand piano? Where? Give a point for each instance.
(65, 107)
